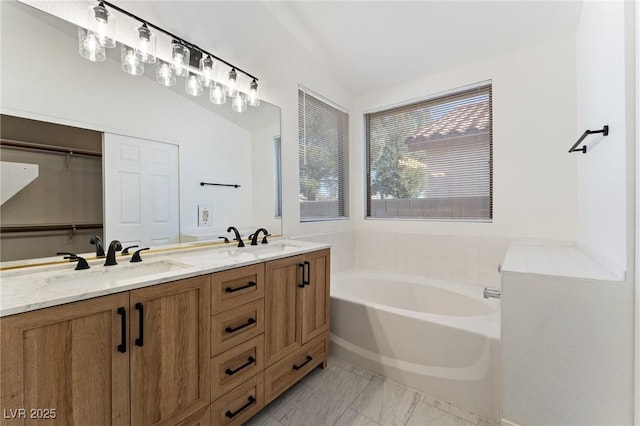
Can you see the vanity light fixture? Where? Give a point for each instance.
(239, 103)
(146, 49)
(254, 100)
(193, 85)
(186, 60)
(131, 63)
(165, 75)
(232, 84)
(217, 94)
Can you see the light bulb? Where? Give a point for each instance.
(165, 75)
(89, 46)
(193, 86)
(232, 84)
(216, 94)
(239, 104)
(131, 63)
(206, 68)
(254, 100)
(146, 48)
(179, 59)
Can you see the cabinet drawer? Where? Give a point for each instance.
(230, 328)
(281, 375)
(236, 287)
(231, 368)
(201, 418)
(239, 405)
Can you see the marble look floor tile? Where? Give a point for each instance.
(485, 422)
(339, 362)
(325, 400)
(386, 402)
(262, 419)
(428, 415)
(353, 418)
(450, 408)
(279, 407)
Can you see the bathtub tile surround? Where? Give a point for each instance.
(379, 402)
(468, 259)
(342, 248)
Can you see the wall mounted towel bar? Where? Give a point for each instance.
(219, 184)
(583, 149)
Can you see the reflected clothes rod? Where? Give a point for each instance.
(219, 184)
(604, 131)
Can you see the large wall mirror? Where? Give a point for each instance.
(44, 79)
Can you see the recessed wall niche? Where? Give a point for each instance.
(51, 188)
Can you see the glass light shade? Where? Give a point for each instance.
(253, 98)
(131, 63)
(239, 104)
(146, 48)
(232, 84)
(180, 59)
(216, 94)
(207, 67)
(89, 46)
(103, 24)
(165, 74)
(193, 85)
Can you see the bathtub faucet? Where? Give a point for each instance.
(491, 292)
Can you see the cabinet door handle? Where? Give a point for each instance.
(232, 290)
(140, 339)
(240, 327)
(298, 367)
(250, 401)
(231, 372)
(301, 265)
(308, 265)
(122, 347)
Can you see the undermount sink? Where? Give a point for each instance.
(280, 247)
(119, 272)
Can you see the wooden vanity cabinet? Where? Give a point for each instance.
(65, 365)
(78, 360)
(208, 350)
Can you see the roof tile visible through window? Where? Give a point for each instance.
(465, 120)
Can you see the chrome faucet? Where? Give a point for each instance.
(95, 240)
(114, 246)
(238, 238)
(491, 292)
(254, 237)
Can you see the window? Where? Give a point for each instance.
(322, 150)
(432, 159)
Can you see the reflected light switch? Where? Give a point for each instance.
(205, 216)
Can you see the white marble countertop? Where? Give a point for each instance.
(28, 289)
(561, 260)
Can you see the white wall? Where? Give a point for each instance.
(602, 172)
(53, 81)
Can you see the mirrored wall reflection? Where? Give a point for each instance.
(215, 144)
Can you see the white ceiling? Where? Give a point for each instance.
(365, 45)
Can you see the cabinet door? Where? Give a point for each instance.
(283, 278)
(67, 363)
(314, 318)
(170, 351)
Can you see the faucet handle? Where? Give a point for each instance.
(126, 249)
(71, 256)
(82, 262)
(136, 256)
(226, 240)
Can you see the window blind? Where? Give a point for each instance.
(432, 159)
(322, 143)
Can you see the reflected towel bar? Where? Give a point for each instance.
(219, 184)
(583, 149)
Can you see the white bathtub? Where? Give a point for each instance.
(440, 338)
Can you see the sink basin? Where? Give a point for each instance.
(267, 249)
(122, 271)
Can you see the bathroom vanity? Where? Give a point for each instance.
(206, 337)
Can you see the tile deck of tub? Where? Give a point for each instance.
(343, 394)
